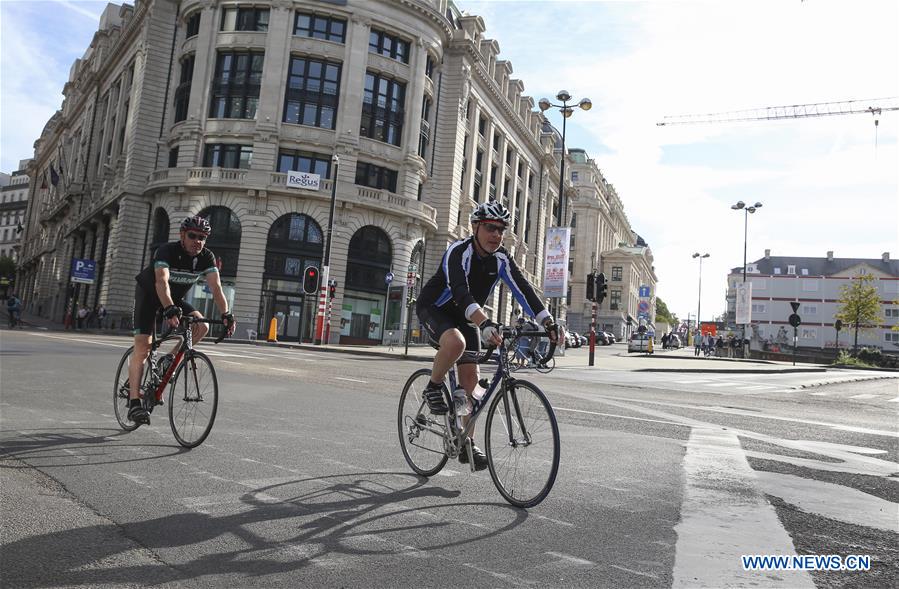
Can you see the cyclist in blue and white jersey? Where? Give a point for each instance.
(450, 306)
(175, 268)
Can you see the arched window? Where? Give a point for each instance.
(368, 260)
(160, 229)
(294, 242)
(224, 241)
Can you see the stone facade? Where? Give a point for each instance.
(13, 205)
(200, 107)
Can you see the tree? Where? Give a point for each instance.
(663, 314)
(859, 305)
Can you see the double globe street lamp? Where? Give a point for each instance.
(567, 110)
(747, 210)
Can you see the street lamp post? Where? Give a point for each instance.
(566, 110)
(699, 302)
(326, 261)
(747, 210)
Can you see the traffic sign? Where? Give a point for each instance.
(838, 325)
(388, 278)
(643, 307)
(644, 292)
(795, 305)
(795, 321)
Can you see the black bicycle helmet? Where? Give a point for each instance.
(491, 211)
(196, 223)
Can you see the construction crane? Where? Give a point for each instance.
(874, 106)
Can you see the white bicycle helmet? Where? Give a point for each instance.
(491, 211)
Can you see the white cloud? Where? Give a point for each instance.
(821, 184)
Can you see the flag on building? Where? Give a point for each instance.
(44, 181)
(54, 177)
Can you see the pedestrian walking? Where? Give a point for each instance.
(697, 343)
(101, 315)
(81, 316)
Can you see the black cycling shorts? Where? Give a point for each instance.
(436, 320)
(145, 307)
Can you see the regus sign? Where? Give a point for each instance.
(303, 180)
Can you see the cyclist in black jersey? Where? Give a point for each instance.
(175, 268)
(450, 306)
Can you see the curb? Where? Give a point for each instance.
(732, 371)
(871, 368)
(859, 378)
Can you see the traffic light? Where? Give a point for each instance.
(591, 287)
(310, 280)
(601, 287)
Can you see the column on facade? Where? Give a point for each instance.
(190, 148)
(271, 93)
(410, 176)
(127, 253)
(101, 286)
(250, 269)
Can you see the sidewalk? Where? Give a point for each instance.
(613, 357)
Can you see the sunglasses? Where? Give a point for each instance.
(491, 228)
(196, 236)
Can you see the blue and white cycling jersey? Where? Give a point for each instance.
(466, 280)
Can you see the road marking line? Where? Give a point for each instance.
(726, 519)
(864, 396)
(690, 381)
(618, 416)
(75, 339)
(722, 384)
(820, 394)
(283, 370)
(571, 559)
(349, 379)
(896, 400)
(232, 362)
(627, 570)
(553, 520)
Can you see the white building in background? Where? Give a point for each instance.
(13, 204)
(815, 283)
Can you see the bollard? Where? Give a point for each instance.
(273, 330)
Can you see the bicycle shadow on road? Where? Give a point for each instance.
(325, 520)
(87, 449)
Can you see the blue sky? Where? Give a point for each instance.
(823, 185)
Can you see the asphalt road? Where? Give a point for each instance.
(666, 480)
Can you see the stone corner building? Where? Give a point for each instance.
(201, 107)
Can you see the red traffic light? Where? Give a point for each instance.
(310, 280)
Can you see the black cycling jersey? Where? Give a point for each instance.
(184, 270)
(465, 281)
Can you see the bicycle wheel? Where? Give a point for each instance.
(522, 438)
(544, 368)
(193, 399)
(421, 433)
(120, 391)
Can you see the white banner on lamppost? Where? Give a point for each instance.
(744, 303)
(303, 180)
(555, 273)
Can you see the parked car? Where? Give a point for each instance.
(582, 340)
(610, 337)
(640, 342)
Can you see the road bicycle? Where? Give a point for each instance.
(533, 358)
(193, 386)
(521, 431)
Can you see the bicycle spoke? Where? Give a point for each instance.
(523, 445)
(421, 433)
(193, 400)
